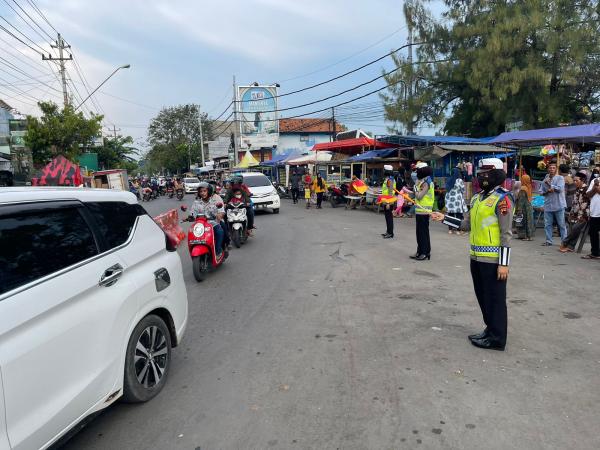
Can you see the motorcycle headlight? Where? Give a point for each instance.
(198, 230)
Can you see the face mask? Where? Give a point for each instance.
(484, 182)
(238, 195)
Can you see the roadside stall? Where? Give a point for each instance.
(111, 179)
(574, 145)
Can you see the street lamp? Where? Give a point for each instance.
(125, 66)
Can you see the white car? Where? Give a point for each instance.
(264, 194)
(191, 185)
(92, 299)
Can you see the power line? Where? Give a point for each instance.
(33, 20)
(18, 70)
(339, 76)
(21, 59)
(347, 58)
(41, 14)
(25, 21)
(24, 35)
(18, 39)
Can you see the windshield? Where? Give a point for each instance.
(257, 181)
(192, 180)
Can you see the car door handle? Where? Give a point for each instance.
(111, 275)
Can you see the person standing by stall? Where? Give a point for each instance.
(319, 187)
(388, 188)
(424, 199)
(455, 197)
(490, 223)
(307, 181)
(555, 203)
(295, 186)
(593, 194)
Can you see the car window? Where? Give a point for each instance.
(38, 243)
(115, 220)
(257, 181)
(192, 180)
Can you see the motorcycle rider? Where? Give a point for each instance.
(211, 205)
(237, 183)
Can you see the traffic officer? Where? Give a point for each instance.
(490, 223)
(424, 200)
(388, 188)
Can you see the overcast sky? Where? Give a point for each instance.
(187, 51)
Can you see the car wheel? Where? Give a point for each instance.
(276, 211)
(147, 361)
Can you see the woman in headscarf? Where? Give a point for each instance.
(455, 198)
(524, 210)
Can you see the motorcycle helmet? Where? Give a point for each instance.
(237, 180)
(208, 186)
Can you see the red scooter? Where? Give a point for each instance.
(201, 244)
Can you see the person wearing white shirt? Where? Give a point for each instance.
(593, 194)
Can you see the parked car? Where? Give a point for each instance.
(92, 300)
(6, 178)
(191, 185)
(264, 194)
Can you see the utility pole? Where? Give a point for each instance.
(235, 124)
(115, 131)
(60, 45)
(333, 127)
(201, 138)
(409, 128)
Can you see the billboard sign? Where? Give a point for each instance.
(259, 125)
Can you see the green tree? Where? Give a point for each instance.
(174, 136)
(117, 153)
(60, 132)
(532, 61)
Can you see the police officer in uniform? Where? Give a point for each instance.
(490, 223)
(388, 188)
(424, 200)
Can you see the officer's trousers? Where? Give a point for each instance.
(389, 219)
(491, 295)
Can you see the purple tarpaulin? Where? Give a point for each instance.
(576, 133)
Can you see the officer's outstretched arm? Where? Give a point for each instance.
(459, 224)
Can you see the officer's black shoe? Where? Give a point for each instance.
(383, 234)
(388, 236)
(488, 343)
(422, 257)
(481, 335)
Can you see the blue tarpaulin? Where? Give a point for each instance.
(374, 154)
(277, 160)
(432, 140)
(576, 133)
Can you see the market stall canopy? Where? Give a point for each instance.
(59, 172)
(247, 161)
(430, 153)
(278, 160)
(311, 158)
(425, 141)
(470, 148)
(374, 154)
(349, 146)
(577, 133)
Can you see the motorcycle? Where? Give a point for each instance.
(238, 223)
(201, 245)
(170, 192)
(180, 194)
(147, 194)
(282, 191)
(162, 190)
(337, 195)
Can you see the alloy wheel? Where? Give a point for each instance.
(151, 357)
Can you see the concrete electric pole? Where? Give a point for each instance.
(60, 45)
(201, 138)
(235, 125)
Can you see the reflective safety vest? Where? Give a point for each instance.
(425, 205)
(485, 229)
(384, 187)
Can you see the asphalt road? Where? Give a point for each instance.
(319, 334)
